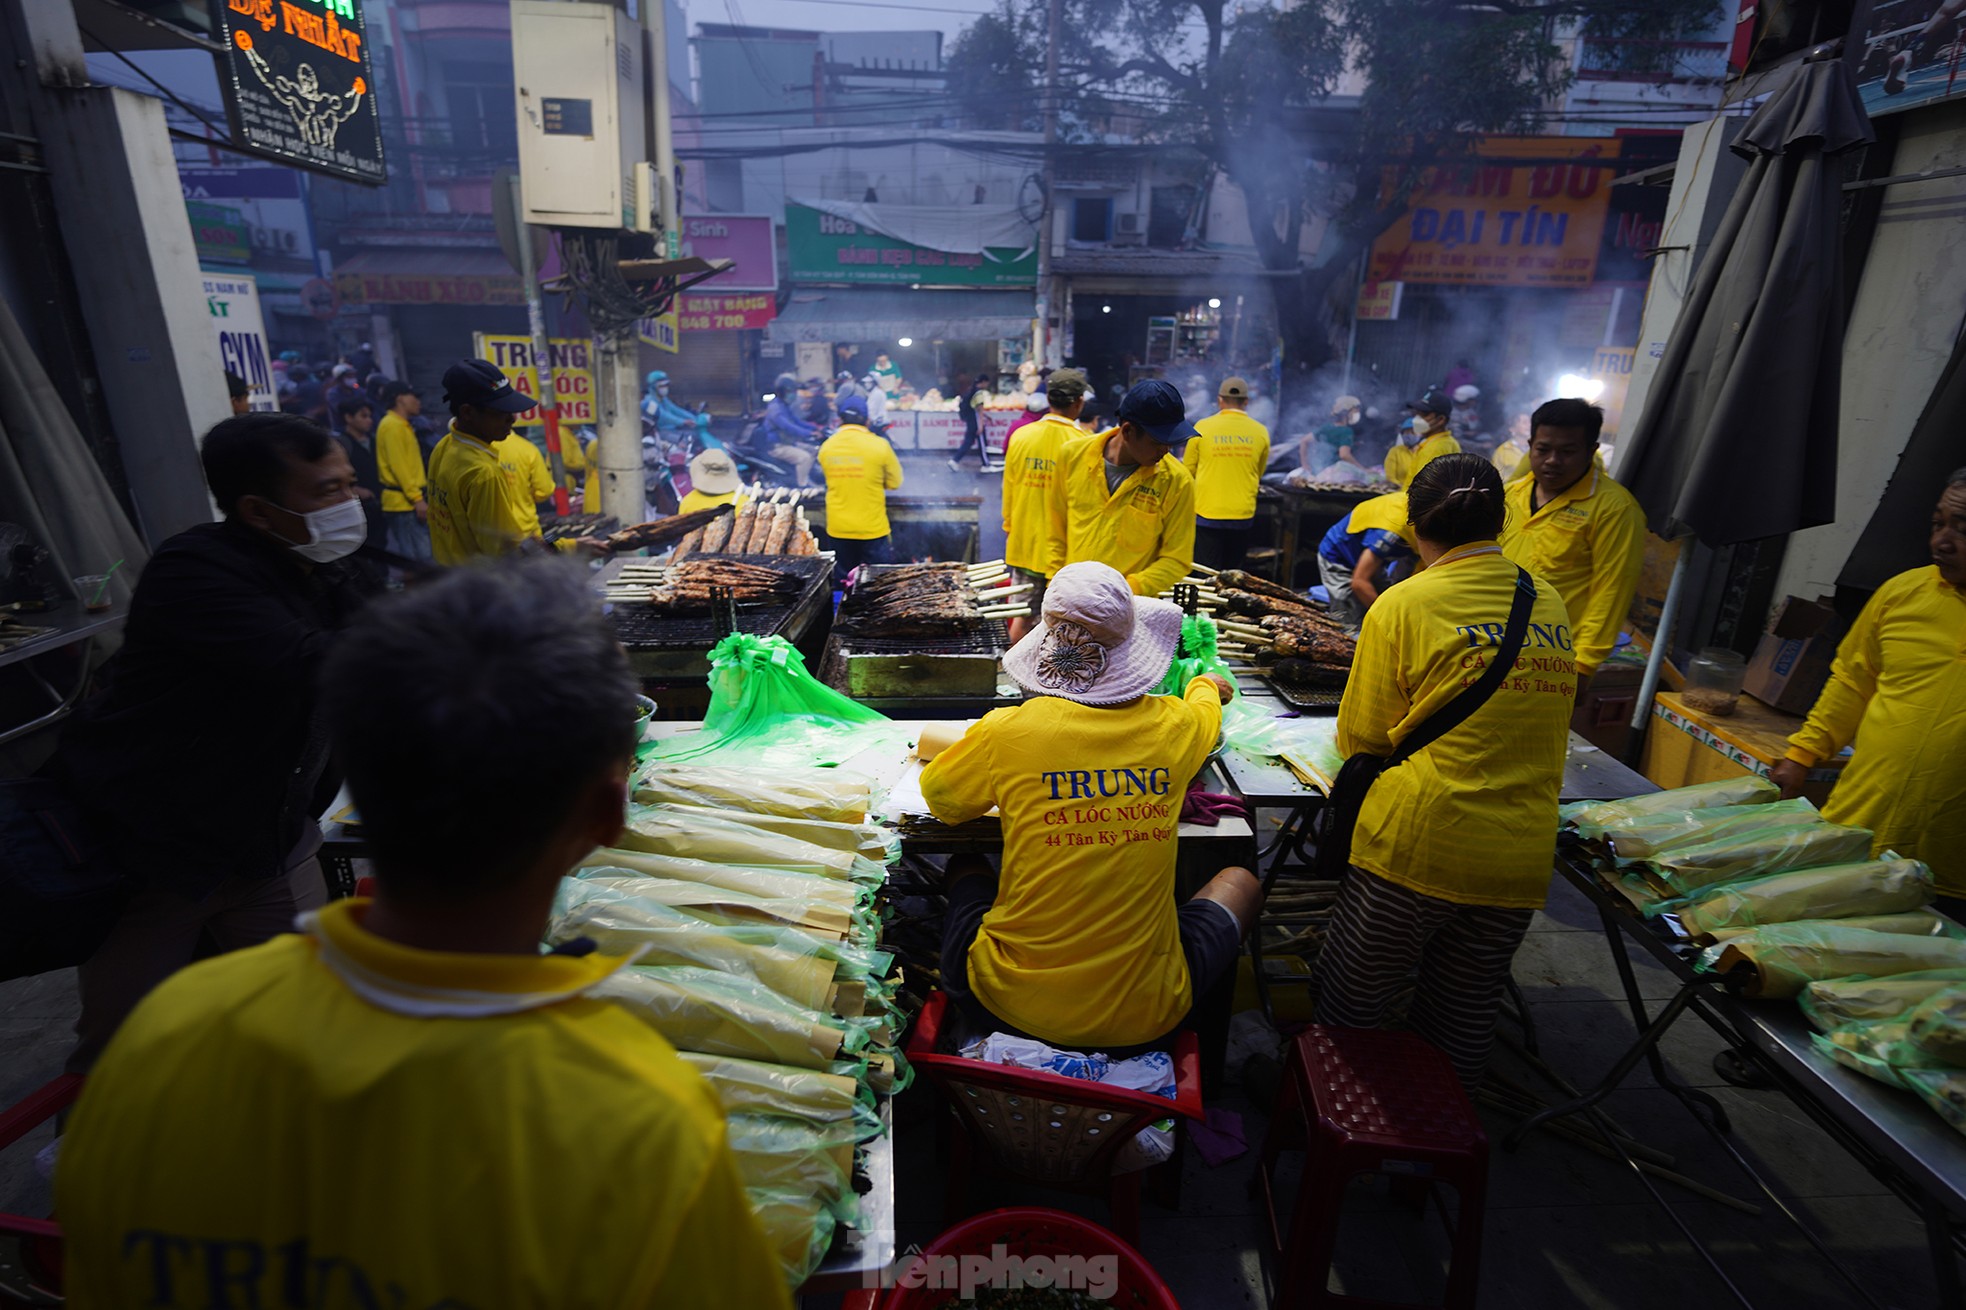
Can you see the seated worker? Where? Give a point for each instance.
(861, 469)
(1079, 941)
(1576, 529)
(527, 479)
(713, 480)
(786, 435)
(1030, 465)
(1332, 443)
(1227, 457)
(1425, 440)
(474, 510)
(1364, 553)
(406, 1103)
(1123, 497)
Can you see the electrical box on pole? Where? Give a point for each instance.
(583, 154)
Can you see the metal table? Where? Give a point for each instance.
(71, 624)
(864, 1252)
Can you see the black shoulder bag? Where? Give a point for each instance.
(1355, 779)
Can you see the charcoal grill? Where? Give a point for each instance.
(909, 674)
(676, 646)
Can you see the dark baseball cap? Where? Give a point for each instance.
(478, 382)
(1434, 402)
(1234, 389)
(1155, 407)
(852, 406)
(393, 391)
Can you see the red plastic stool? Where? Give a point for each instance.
(1386, 1103)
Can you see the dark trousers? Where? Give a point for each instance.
(1221, 548)
(972, 436)
(849, 555)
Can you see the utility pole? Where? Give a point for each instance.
(1046, 350)
(542, 351)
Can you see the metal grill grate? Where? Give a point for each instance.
(1308, 700)
(643, 627)
(987, 638)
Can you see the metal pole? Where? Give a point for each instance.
(542, 352)
(1661, 642)
(1044, 353)
(1351, 337)
(669, 203)
(623, 495)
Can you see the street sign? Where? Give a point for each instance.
(662, 331)
(573, 374)
(300, 86)
(232, 302)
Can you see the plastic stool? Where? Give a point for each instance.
(1363, 1101)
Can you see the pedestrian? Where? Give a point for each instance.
(1364, 553)
(968, 405)
(1897, 693)
(377, 1104)
(201, 764)
(1227, 457)
(1461, 375)
(1084, 942)
(238, 393)
(400, 473)
(1464, 421)
(1123, 497)
(1576, 529)
(357, 438)
(812, 396)
(1451, 853)
(1036, 406)
(344, 387)
(305, 399)
(876, 404)
(1332, 443)
(792, 438)
(1425, 439)
(1030, 467)
(860, 469)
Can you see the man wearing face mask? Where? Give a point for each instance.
(200, 763)
(1423, 440)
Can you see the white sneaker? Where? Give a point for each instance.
(955, 467)
(991, 468)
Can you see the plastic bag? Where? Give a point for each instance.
(814, 1097)
(786, 884)
(832, 795)
(1659, 834)
(798, 1229)
(1834, 1002)
(1911, 923)
(821, 916)
(870, 841)
(1937, 1027)
(1837, 891)
(767, 712)
(1942, 1089)
(1756, 852)
(1788, 956)
(661, 830)
(720, 1014)
(1591, 817)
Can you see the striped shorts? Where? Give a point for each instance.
(1382, 933)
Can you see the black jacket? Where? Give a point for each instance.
(361, 456)
(202, 757)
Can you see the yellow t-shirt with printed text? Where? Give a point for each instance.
(1472, 818)
(1030, 466)
(1082, 947)
(861, 468)
(1145, 528)
(1588, 543)
(473, 512)
(1227, 460)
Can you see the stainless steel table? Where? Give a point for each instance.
(70, 624)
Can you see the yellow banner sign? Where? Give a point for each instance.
(573, 373)
(1379, 301)
(1505, 223)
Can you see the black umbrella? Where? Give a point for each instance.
(1737, 440)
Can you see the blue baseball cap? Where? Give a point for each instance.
(852, 406)
(478, 382)
(1156, 408)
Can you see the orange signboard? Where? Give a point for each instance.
(1505, 223)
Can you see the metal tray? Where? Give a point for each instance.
(643, 627)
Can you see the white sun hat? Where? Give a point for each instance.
(1097, 643)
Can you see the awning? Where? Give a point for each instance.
(874, 313)
(435, 276)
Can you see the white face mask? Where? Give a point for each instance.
(332, 533)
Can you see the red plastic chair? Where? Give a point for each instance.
(1044, 1128)
(40, 1239)
(1027, 1231)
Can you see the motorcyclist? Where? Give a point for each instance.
(665, 415)
(787, 436)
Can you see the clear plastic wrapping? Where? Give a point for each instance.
(1788, 956)
(776, 1154)
(1590, 818)
(1937, 1027)
(664, 830)
(721, 1014)
(1834, 1002)
(1911, 923)
(731, 895)
(1837, 891)
(833, 795)
(1942, 1089)
(1756, 852)
(870, 841)
(1653, 835)
(809, 1095)
(798, 1229)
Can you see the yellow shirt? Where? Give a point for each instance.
(697, 500)
(1146, 529)
(1030, 466)
(471, 505)
(1508, 458)
(1387, 513)
(572, 462)
(1082, 948)
(334, 1119)
(1432, 448)
(861, 468)
(1898, 692)
(1227, 462)
(398, 463)
(527, 479)
(590, 486)
(1588, 543)
(1472, 818)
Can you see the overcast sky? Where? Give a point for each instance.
(839, 15)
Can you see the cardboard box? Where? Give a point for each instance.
(1792, 660)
